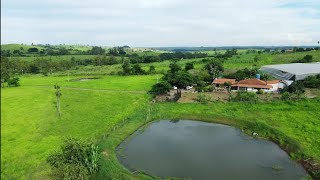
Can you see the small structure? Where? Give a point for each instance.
(220, 81)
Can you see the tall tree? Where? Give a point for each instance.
(126, 67)
(214, 68)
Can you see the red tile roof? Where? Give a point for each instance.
(223, 80)
(273, 81)
(254, 83)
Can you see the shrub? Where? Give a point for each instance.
(209, 88)
(312, 81)
(243, 96)
(203, 98)
(160, 88)
(260, 91)
(75, 160)
(296, 87)
(13, 82)
(285, 96)
(200, 86)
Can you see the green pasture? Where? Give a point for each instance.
(31, 128)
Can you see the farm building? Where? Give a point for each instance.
(293, 72)
(254, 85)
(220, 81)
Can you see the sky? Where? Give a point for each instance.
(161, 23)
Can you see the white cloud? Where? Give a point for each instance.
(162, 22)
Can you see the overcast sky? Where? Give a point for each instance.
(143, 23)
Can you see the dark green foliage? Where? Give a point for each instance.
(285, 96)
(34, 69)
(75, 160)
(182, 55)
(201, 86)
(181, 79)
(13, 82)
(214, 67)
(160, 88)
(152, 70)
(97, 50)
(243, 96)
(6, 68)
(33, 50)
(260, 91)
(126, 67)
(296, 87)
(189, 66)
(137, 70)
(305, 59)
(242, 74)
(174, 67)
(312, 81)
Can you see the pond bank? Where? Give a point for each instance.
(234, 114)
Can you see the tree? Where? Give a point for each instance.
(214, 68)
(201, 86)
(189, 66)
(160, 88)
(136, 69)
(182, 79)
(126, 67)
(174, 67)
(296, 87)
(97, 50)
(6, 67)
(33, 50)
(75, 160)
(58, 95)
(152, 69)
(228, 86)
(13, 82)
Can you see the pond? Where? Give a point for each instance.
(199, 150)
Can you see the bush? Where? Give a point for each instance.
(13, 82)
(75, 160)
(243, 96)
(296, 87)
(285, 96)
(203, 98)
(312, 81)
(160, 88)
(260, 91)
(209, 88)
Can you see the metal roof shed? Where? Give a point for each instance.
(294, 71)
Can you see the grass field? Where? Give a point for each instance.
(31, 129)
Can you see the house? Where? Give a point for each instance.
(217, 82)
(254, 85)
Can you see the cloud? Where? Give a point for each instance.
(162, 22)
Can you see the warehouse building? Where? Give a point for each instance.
(292, 72)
